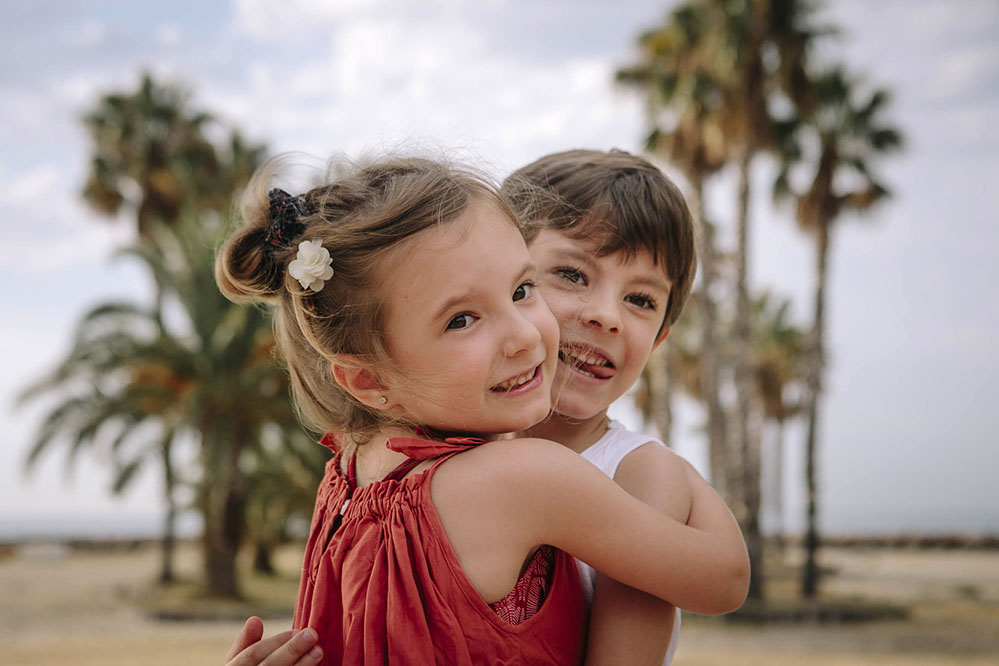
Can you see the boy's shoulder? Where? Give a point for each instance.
(647, 469)
(616, 444)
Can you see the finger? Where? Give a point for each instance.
(301, 650)
(278, 650)
(252, 631)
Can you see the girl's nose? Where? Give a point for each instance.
(522, 335)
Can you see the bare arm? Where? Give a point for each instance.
(628, 626)
(702, 567)
(500, 501)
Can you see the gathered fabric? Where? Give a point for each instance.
(381, 583)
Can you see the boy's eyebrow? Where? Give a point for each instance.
(652, 281)
(575, 253)
(470, 293)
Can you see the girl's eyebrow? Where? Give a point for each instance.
(470, 293)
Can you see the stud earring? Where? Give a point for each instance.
(382, 400)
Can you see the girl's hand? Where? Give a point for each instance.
(289, 648)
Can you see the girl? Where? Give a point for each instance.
(407, 314)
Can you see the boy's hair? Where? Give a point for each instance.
(619, 201)
(362, 216)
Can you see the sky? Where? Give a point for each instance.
(909, 425)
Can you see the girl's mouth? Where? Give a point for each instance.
(520, 383)
(586, 362)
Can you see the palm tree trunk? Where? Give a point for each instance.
(746, 471)
(810, 573)
(777, 487)
(224, 509)
(170, 522)
(710, 363)
(659, 387)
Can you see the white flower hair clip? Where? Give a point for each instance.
(312, 266)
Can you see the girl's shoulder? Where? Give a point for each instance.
(521, 470)
(516, 457)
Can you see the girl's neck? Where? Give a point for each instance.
(373, 459)
(572, 433)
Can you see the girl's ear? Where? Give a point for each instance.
(355, 375)
(662, 338)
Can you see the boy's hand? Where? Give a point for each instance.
(289, 648)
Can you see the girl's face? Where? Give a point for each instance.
(473, 345)
(609, 310)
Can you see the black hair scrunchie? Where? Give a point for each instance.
(286, 212)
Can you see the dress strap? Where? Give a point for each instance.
(416, 450)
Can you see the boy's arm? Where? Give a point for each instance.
(628, 626)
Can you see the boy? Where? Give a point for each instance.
(613, 242)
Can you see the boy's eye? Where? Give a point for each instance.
(570, 274)
(642, 301)
(461, 321)
(523, 291)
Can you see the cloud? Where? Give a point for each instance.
(169, 34)
(47, 228)
(270, 20)
(90, 33)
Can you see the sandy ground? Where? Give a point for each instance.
(79, 608)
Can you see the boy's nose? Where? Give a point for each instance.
(599, 313)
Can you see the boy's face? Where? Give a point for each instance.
(609, 309)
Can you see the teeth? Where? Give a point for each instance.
(515, 382)
(583, 358)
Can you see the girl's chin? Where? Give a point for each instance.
(570, 408)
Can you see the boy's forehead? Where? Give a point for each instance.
(590, 246)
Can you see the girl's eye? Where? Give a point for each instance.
(570, 274)
(523, 291)
(461, 321)
(642, 301)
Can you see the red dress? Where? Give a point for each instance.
(382, 585)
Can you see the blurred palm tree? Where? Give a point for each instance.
(760, 48)
(148, 151)
(116, 386)
(193, 365)
(779, 354)
(237, 394)
(827, 171)
(285, 471)
(202, 369)
(683, 100)
(712, 73)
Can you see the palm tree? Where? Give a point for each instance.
(147, 148)
(836, 146)
(115, 389)
(237, 391)
(779, 350)
(683, 108)
(286, 468)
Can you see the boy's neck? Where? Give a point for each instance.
(572, 433)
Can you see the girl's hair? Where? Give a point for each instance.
(619, 201)
(361, 216)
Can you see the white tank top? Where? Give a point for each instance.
(607, 453)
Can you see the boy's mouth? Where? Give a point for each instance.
(586, 362)
(519, 382)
